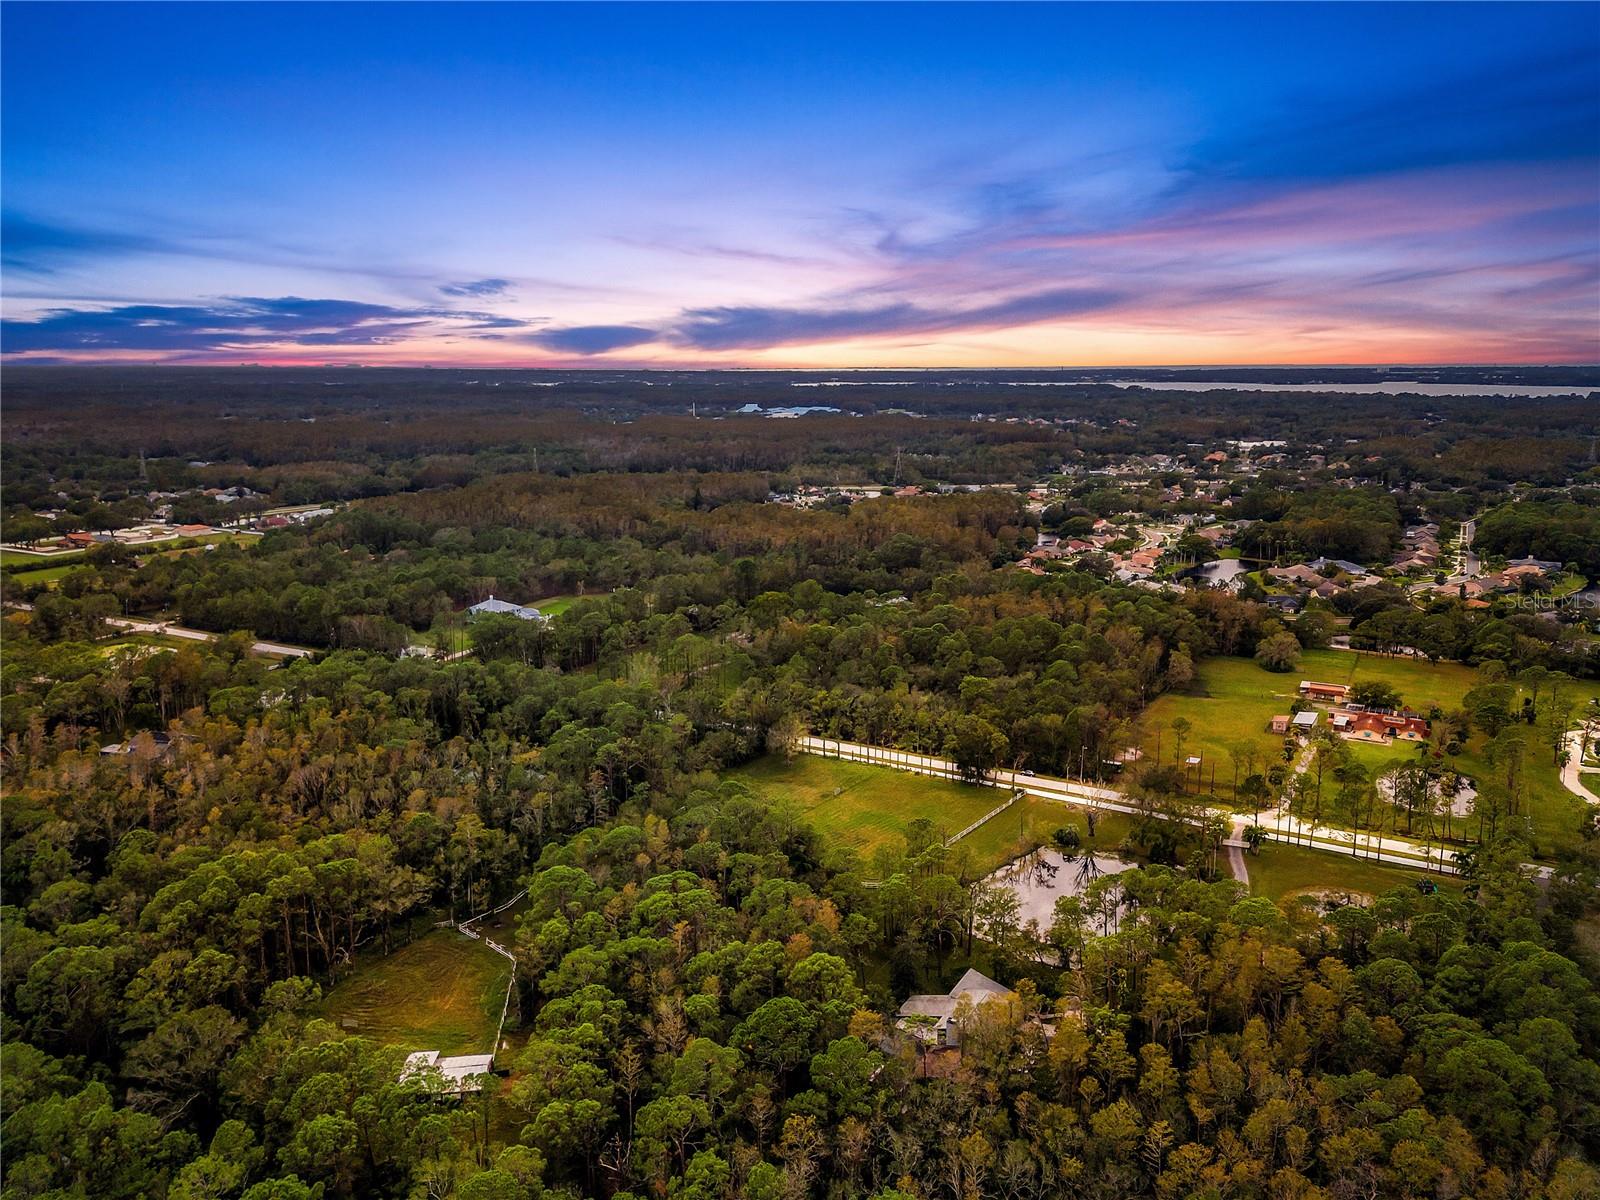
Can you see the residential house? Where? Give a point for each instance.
(1340, 564)
(1299, 575)
(493, 607)
(933, 1020)
(1382, 728)
(1328, 692)
(1304, 721)
(1280, 723)
(152, 745)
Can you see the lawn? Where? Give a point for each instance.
(863, 806)
(42, 574)
(442, 992)
(1028, 824)
(560, 604)
(1281, 870)
(1231, 701)
(1591, 783)
(155, 641)
(175, 547)
(22, 558)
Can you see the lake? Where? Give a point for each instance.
(1391, 387)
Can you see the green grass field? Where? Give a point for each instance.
(863, 806)
(155, 641)
(560, 604)
(194, 545)
(442, 992)
(868, 808)
(1282, 870)
(42, 574)
(1029, 824)
(876, 803)
(21, 558)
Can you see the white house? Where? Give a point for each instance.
(491, 606)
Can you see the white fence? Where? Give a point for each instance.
(466, 928)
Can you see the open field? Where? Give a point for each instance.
(1283, 870)
(863, 806)
(155, 641)
(34, 575)
(442, 992)
(22, 558)
(868, 808)
(192, 544)
(873, 810)
(1029, 823)
(560, 604)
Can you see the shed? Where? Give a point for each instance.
(454, 1075)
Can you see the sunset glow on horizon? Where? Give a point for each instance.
(790, 186)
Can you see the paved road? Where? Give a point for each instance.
(1285, 826)
(1469, 563)
(1236, 847)
(1575, 768)
(134, 625)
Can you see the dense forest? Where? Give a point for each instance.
(198, 843)
(700, 974)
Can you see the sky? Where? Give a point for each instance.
(776, 185)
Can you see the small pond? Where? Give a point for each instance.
(1043, 877)
(1222, 571)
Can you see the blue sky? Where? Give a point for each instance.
(775, 184)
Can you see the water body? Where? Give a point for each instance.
(1391, 387)
(1039, 879)
(1222, 571)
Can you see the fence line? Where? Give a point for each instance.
(1016, 794)
(465, 928)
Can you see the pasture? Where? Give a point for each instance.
(559, 604)
(1283, 871)
(33, 575)
(1029, 823)
(868, 808)
(862, 806)
(442, 992)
